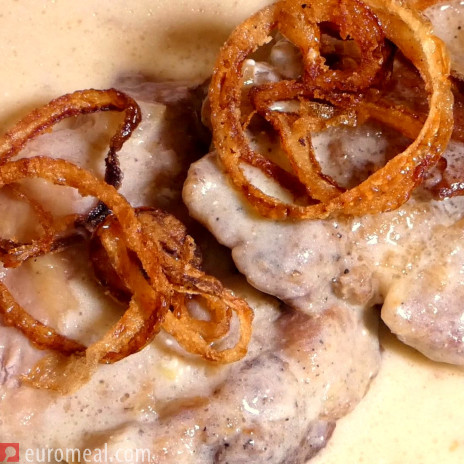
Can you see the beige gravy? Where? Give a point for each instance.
(413, 412)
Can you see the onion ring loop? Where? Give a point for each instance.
(386, 189)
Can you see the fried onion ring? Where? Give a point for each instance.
(164, 274)
(299, 23)
(181, 267)
(391, 185)
(42, 119)
(73, 104)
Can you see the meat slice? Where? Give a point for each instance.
(279, 404)
(154, 161)
(410, 258)
(425, 307)
(288, 398)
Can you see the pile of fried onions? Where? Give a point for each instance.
(349, 92)
(145, 253)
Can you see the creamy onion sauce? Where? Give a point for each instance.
(413, 411)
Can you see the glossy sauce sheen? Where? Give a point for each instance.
(413, 412)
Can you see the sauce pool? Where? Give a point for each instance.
(413, 412)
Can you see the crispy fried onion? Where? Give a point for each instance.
(347, 90)
(144, 256)
(73, 104)
(180, 264)
(42, 119)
